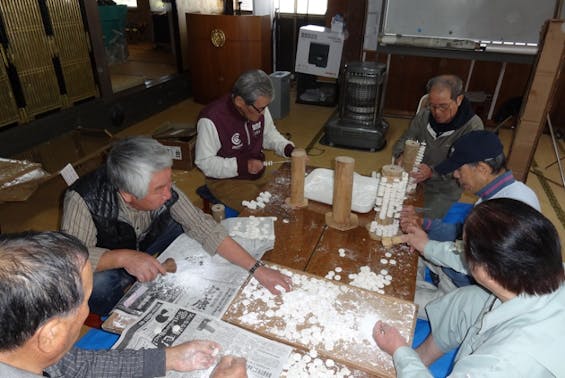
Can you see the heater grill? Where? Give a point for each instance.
(358, 123)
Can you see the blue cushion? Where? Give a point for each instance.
(206, 195)
(97, 339)
(442, 366)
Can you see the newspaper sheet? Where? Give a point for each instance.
(166, 324)
(202, 282)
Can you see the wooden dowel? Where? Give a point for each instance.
(298, 170)
(341, 217)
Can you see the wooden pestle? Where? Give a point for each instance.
(170, 265)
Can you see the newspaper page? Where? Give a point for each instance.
(202, 282)
(166, 324)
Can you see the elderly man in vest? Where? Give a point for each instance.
(232, 133)
(447, 116)
(128, 211)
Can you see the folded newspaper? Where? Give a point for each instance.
(202, 282)
(166, 324)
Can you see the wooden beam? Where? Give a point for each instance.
(539, 97)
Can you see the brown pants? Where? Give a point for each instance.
(233, 192)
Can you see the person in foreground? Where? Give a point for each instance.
(478, 163)
(232, 133)
(45, 282)
(513, 323)
(128, 211)
(447, 116)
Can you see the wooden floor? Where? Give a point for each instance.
(146, 62)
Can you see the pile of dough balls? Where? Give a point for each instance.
(259, 202)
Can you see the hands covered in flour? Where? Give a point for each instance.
(193, 355)
(388, 338)
(230, 367)
(273, 280)
(409, 217)
(423, 173)
(416, 238)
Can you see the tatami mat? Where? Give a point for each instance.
(303, 125)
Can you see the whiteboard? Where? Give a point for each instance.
(518, 21)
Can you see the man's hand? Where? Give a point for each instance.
(423, 173)
(230, 367)
(416, 238)
(193, 355)
(142, 266)
(254, 166)
(271, 278)
(388, 338)
(410, 218)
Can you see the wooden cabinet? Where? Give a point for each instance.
(222, 47)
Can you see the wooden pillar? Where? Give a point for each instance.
(341, 217)
(298, 171)
(538, 99)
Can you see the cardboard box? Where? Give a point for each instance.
(180, 138)
(319, 51)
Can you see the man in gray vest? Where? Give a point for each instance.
(447, 116)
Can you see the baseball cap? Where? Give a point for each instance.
(472, 147)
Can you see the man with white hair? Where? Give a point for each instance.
(129, 210)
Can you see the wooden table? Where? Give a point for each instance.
(304, 242)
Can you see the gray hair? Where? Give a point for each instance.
(253, 84)
(132, 162)
(497, 164)
(40, 278)
(451, 82)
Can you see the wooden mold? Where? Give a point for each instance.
(361, 307)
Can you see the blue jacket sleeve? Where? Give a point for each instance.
(441, 231)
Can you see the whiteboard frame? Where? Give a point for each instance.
(511, 21)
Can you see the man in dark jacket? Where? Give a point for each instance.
(128, 211)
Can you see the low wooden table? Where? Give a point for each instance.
(304, 242)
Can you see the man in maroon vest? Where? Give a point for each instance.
(232, 133)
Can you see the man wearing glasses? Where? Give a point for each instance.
(232, 133)
(445, 119)
(477, 161)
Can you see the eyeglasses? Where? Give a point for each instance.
(258, 110)
(440, 107)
